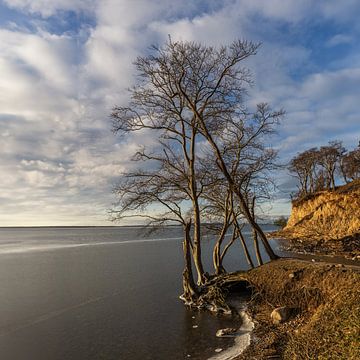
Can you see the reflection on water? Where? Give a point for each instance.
(101, 293)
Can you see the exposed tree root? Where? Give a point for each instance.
(213, 295)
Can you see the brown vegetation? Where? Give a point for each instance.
(325, 303)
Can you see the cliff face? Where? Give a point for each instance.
(327, 215)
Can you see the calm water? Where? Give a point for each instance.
(101, 293)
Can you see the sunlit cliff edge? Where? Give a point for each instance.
(326, 215)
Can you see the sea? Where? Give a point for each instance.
(91, 293)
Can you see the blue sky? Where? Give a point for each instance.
(65, 63)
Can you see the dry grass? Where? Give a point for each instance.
(326, 215)
(325, 323)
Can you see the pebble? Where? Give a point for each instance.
(218, 350)
(195, 326)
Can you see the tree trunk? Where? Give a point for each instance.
(255, 226)
(190, 294)
(257, 248)
(248, 257)
(237, 229)
(332, 180)
(196, 211)
(197, 247)
(227, 247)
(217, 258)
(255, 236)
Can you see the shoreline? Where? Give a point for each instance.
(242, 339)
(307, 247)
(347, 245)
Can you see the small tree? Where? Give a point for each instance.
(315, 169)
(350, 165)
(328, 158)
(304, 168)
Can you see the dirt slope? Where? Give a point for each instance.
(327, 215)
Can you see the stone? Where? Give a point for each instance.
(226, 331)
(280, 314)
(218, 350)
(195, 326)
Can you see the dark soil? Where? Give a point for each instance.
(348, 247)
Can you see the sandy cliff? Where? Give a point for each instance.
(327, 215)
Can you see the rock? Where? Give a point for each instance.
(280, 314)
(195, 326)
(226, 331)
(218, 350)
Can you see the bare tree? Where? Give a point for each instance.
(304, 166)
(190, 94)
(316, 169)
(328, 158)
(350, 165)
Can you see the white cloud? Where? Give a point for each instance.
(331, 85)
(340, 11)
(56, 91)
(289, 11)
(49, 7)
(340, 39)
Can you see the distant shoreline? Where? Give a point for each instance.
(73, 226)
(91, 226)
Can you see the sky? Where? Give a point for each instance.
(65, 63)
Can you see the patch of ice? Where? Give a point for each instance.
(241, 342)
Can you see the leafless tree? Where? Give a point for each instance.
(190, 94)
(350, 165)
(328, 158)
(304, 166)
(316, 169)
